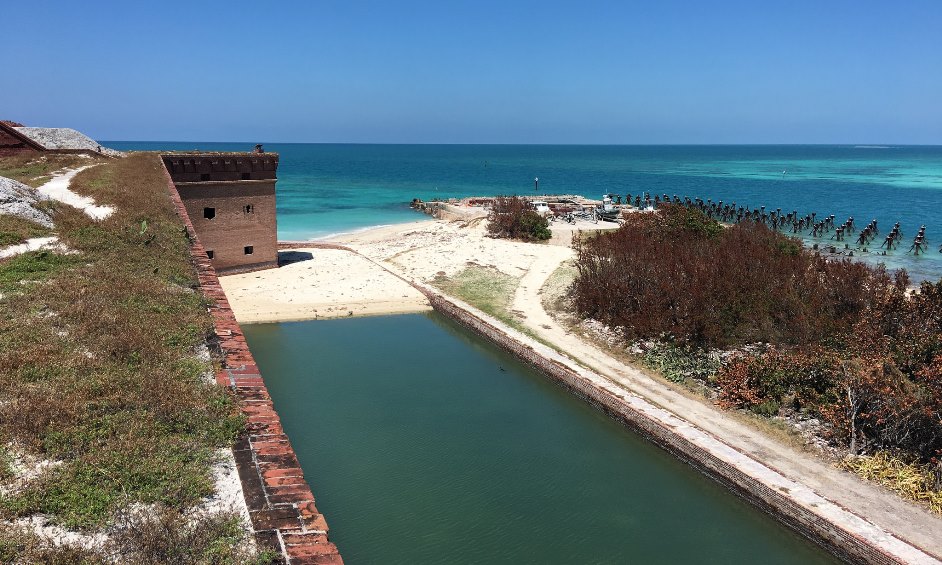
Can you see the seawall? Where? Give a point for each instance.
(279, 499)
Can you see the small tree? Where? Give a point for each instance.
(511, 217)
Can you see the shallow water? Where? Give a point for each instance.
(331, 188)
(425, 444)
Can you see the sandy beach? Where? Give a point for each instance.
(317, 283)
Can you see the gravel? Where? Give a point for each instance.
(66, 138)
(18, 199)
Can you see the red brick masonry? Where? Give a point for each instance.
(279, 499)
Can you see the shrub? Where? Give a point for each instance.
(762, 382)
(680, 273)
(680, 363)
(511, 217)
(849, 343)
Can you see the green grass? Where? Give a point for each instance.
(14, 230)
(98, 372)
(17, 272)
(6, 461)
(485, 288)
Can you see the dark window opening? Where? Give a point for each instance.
(249, 250)
(209, 213)
(246, 176)
(204, 177)
(248, 209)
(209, 253)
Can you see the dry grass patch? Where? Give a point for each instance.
(98, 368)
(15, 230)
(910, 480)
(486, 288)
(35, 170)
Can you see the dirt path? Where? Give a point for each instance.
(883, 508)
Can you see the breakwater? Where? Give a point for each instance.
(281, 505)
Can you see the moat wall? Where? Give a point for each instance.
(279, 499)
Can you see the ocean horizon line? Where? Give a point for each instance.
(873, 145)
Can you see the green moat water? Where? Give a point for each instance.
(424, 443)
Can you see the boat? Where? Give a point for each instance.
(608, 211)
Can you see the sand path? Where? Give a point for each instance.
(58, 189)
(32, 244)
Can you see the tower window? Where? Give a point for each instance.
(209, 213)
(248, 209)
(249, 250)
(209, 253)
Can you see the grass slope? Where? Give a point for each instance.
(98, 372)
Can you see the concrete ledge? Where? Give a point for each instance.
(280, 503)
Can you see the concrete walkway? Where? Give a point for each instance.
(884, 509)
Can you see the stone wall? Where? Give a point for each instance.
(281, 505)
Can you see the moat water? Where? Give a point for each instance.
(424, 443)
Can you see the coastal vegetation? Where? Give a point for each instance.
(15, 230)
(778, 330)
(106, 384)
(511, 217)
(487, 289)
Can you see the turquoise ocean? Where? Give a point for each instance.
(327, 189)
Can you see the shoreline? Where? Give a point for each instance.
(343, 276)
(318, 283)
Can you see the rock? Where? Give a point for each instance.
(66, 138)
(18, 199)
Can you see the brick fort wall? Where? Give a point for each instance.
(230, 199)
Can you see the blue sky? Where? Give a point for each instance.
(827, 71)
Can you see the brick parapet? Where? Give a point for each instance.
(279, 500)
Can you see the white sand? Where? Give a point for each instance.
(322, 283)
(32, 244)
(333, 283)
(58, 189)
